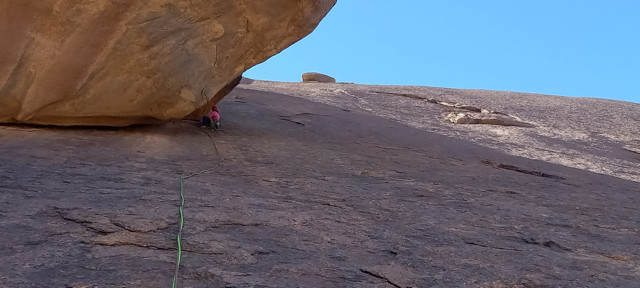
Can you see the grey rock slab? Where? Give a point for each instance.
(349, 199)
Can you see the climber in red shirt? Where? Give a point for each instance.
(214, 115)
(212, 119)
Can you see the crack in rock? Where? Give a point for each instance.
(333, 205)
(232, 224)
(492, 247)
(499, 165)
(105, 225)
(548, 244)
(141, 225)
(459, 106)
(487, 119)
(468, 114)
(127, 238)
(519, 284)
(293, 121)
(302, 114)
(299, 118)
(201, 252)
(632, 149)
(371, 273)
(91, 222)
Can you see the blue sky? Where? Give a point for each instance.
(582, 48)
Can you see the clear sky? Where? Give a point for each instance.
(588, 48)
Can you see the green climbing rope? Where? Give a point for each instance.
(175, 275)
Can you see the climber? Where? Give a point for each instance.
(212, 119)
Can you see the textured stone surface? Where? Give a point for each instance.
(297, 193)
(317, 77)
(484, 118)
(80, 62)
(597, 135)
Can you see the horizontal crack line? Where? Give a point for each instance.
(365, 271)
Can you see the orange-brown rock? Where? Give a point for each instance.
(116, 63)
(317, 77)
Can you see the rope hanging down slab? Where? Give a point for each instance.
(182, 178)
(175, 275)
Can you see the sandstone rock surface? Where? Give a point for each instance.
(75, 62)
(317, 77)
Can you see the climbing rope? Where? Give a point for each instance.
(175, 275)
(182, 178)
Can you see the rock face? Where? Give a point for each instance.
(295, 193)
(73, 62)
(484, 118)
(542, 127)
(317, 77)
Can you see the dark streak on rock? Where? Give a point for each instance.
(129, 243)
(548, 244)
(84, 223)
(492, 247)
(333, 205)
(379, 277)
(291, 120)
(443, 103)
(236, 224)
(631, 150)
(201, 253)
(499, 165)
(262, 252)
(411, 96)
(391, 252)
(302, 114)
(120, 225)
